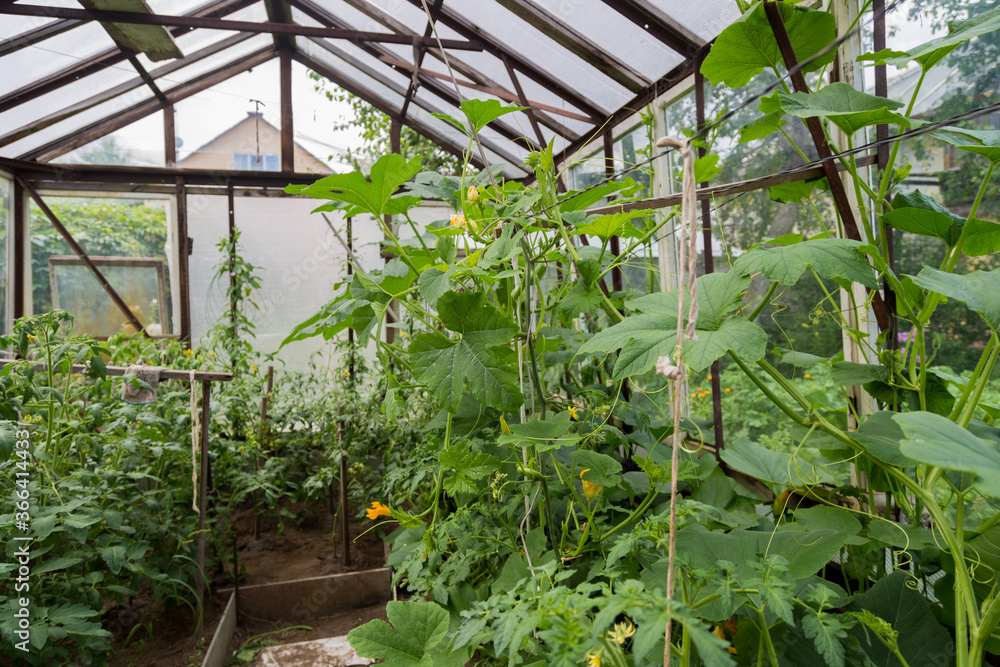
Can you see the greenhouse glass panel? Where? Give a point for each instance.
(126, 238)
(37, 61)
(138, 144)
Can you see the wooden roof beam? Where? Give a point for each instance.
(469, 30)
(577, 43)
(659, 25)
(194, 22)
(120, 89)
(398, 89)
(95, 131)
(107, 58)
(48, 30)
(484, 82)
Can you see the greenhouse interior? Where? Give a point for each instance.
(500, 332)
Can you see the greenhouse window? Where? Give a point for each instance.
(256, 162)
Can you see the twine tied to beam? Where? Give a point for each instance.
(674, 370)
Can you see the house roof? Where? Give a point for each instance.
(579, 64)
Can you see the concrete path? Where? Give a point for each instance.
(329, 652)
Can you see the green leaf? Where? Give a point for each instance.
(475, 361)
(114, 557)
(850, 372)
(581, 298)
(54, 564)
(577, 201)
(981, 238)
(798, 191)
(880, 435)
(612, 224)
(550, 433)
(934, 439)
(900, 535)
(417, 628)
(482, 112)
(836, 259)
(979, 290)
(931, 53)
(981, 142)
(706, 168)
(43, 526)
(433, 284)
(845, 106)
(601, 468)
(372, 195)
(747, 47)
(828, 634)
(770, 466)
(650, 331)
(922, 640)
(917, 213)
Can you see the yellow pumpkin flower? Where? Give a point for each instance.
(376, 510)
(473, 194)
(458, 220)
(590, 489)
(728, 390)
(594, 658)
(574, 414)
(807, 376)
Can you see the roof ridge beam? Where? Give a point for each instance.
(577, 43)
(40, 34)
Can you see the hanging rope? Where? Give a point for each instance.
(674, 370)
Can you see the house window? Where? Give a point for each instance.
(255, 162)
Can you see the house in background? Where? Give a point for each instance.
(253, 144)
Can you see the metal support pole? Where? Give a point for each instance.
(232, 257)
(122, 306)
(345, 529)
(206, 417)
(709, 259)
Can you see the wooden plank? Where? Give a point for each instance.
(659, 25)
(737, 187)
(225, 24)
(183, 263)
(217, 653)
(20, 238)
(577, 43)
(522, 99)
(95, 131)
(301, 600)
(287, 116)
(120, 89)
(169, 137)
(153, 40)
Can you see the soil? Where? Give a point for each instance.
(304, 548)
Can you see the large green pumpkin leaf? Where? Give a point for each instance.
(917, 213)
(922, 640)
(417, 629)
(482, 112)
(845, 106)
(545, 434)
(880, 435)
(747, 47)
(936, 440)
(475, 360)
(650, 332)
(981, 142)
(836, 259)
(365, 195)
(931, 53)
(979, 290)
(771, 466)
